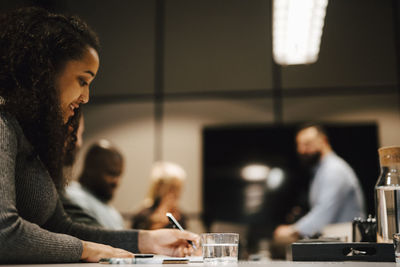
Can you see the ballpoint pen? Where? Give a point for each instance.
(172, 219)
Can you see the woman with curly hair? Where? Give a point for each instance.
(47, 64)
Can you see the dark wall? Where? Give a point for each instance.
(225, 46)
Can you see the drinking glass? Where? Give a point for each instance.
(220, 248)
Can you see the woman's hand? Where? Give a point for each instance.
(93, 252)
(170, 242)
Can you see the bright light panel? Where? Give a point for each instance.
(297, 30)
(275, 178)
(255, 172)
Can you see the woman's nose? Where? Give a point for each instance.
(85, 95)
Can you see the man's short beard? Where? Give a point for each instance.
(102, 191)
(97, 186)
(310, 160)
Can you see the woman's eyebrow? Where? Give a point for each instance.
(90, 72)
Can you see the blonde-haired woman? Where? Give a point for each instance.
(166, 183)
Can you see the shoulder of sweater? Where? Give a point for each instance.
(7, 120)
(10, 124)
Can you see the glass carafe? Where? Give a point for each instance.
(387, 195)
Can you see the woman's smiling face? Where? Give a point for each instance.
(73, 82)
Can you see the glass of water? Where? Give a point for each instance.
(220, 248)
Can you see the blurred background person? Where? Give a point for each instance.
(97, 183)
(335, 195)
(167, 181)
(73, 146)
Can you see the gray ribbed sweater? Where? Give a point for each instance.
(33, 225)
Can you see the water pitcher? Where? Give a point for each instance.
(387, 194)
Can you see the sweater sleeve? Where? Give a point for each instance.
(20, 240)
(60, 222)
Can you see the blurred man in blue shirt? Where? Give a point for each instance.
(335, 194)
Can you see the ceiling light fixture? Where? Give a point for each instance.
(297, 30)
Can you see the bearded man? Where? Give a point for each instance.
(96, 186)
(335, 194)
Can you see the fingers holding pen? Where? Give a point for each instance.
(171, 242)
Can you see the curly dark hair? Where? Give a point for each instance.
(35, 45)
